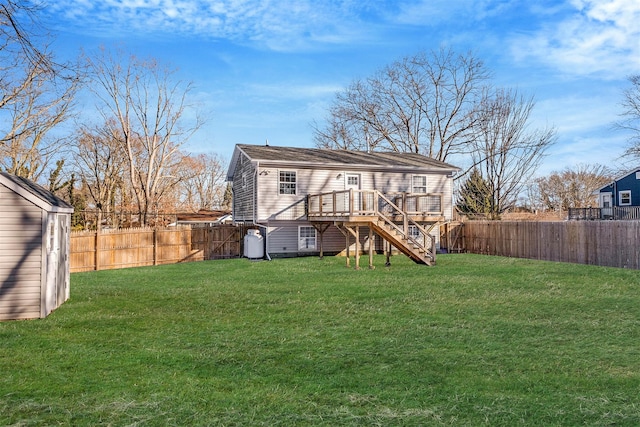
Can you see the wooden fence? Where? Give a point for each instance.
(605, 243)
(112, 249)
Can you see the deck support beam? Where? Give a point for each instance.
(371, 247)
(321, 228)
(357, 255)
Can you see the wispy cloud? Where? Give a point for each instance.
(280, 25)
(435, 12)
(599, 37)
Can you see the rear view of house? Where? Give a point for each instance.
(308, 200)
(34, 244)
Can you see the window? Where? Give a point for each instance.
(625, 198)
(353, 180)
(306, 238)
(415, 232)
(287, 182)
(419, 184)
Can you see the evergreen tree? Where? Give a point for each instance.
(228, 197)
(475, 196)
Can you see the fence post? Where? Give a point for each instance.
(155, 246)
(97, 249)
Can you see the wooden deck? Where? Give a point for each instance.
(404, 220)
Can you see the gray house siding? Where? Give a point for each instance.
(243, 187)
(283, 239)
(21, 231)
(274, 206)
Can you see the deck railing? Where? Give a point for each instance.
(615, 213)
(371, 202)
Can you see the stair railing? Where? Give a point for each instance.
(428, 242)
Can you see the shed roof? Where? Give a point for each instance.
(334, 158)
(35, 193)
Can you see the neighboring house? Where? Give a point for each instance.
(34, 249)
(204, 218)
(311, 201)
(621, 198)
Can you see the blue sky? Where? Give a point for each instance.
(266, 69)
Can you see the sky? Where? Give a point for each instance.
(268, 69)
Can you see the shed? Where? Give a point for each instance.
(34, 249)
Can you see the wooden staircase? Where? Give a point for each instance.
(419, 252)
(404, 230)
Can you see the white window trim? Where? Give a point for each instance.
(315, 238)
(413, 186)
(295, 190)
(620, 193)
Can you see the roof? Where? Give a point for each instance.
(618, 178)
(336, 158)
(35, 193)
(203, 215)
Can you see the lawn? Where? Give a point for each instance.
(473, 341)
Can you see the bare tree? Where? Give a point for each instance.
(631, 115)
(572, 187)
(36, 92)
(420, 104)
(149, 112)
(203, 185)
(101, 164)
(506, 152)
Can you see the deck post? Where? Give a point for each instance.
(333, 201)
(387, 249)
(357, 254)
(371, 266)
(346, 235)
(351, 202)
(321, 228)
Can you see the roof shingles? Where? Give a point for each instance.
(320, 156)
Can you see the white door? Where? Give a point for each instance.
(605, 205)
(62, 274)
(352, 182)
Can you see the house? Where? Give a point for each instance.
(314, 201)
(34, 245)
(204, 217)
(621, 198)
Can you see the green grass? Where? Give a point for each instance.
(472, 341)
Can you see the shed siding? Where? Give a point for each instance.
(243, 187)
(20, 256)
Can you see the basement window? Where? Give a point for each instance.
(306, 238)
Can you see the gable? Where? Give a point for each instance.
(34, 193)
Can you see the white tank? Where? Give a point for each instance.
(253, 244)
